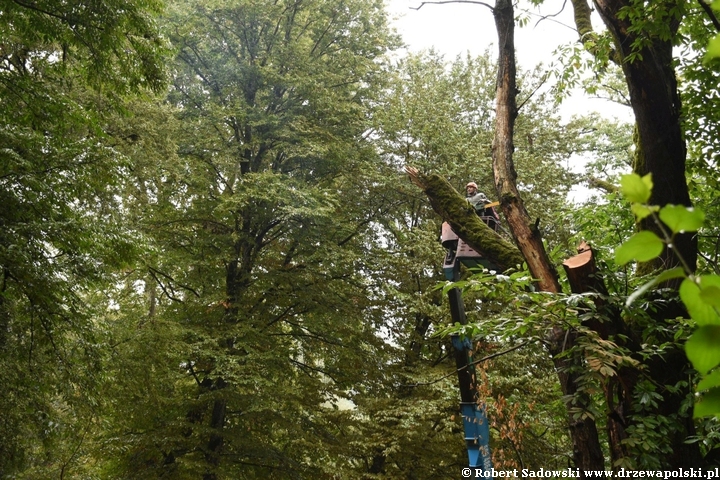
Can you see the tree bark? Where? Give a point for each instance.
(526, 234)
(587, 452)
(655, 101)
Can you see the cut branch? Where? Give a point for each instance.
(455, 210)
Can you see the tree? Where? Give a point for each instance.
(643, 39)
(259, 226)
(62, 69)
(436, 95)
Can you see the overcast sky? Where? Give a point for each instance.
(454, 29)
(457, 28)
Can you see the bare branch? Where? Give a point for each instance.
(535, 90)
(443, 2)
(552, 15)
(484, 359)
(710, 13)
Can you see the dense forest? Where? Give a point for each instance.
(215, 266)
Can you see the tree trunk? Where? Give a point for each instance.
(587, 452)
(655, 101)
(584, 277)
(645, 54)
(526, 235)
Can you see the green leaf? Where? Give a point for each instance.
(709, 381)
(711, 296)
(635, 188)
(682, 219)
(642, 246)
(709, 404)
(641, 211)
(703, 348)
(713, 48)
(676, 272)
(447, 286)
(701, 306)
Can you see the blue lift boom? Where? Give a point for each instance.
(474, 417)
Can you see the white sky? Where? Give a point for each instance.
(454, 29)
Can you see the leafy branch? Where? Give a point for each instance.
(699, 293)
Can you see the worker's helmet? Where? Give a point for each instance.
(471, 184)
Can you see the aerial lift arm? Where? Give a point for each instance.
(475, 422)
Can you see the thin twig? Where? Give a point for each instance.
(537, 87)
(443, 2)
(545, 17)
(484, 359)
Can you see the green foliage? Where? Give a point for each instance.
(238, 283)
(643, 246)
(64, 72)
(636, 191)
(259, 225)
(510, 322)
(699, 293)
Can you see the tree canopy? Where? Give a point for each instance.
(215, 266)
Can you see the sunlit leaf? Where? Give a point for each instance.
(642, 246)
(682, 219)
(635, 188)
(700, 305)
(711, 295)
(713, 49)
(709, 381)
(709, 404)
(642, 211)
(703, 348)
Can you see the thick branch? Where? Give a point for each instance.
(588, 37)
(455, 210)
(594, 182)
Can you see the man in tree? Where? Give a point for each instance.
(479, 201)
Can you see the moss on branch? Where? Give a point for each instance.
(454, 209)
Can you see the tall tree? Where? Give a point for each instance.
(643, 37)
(62, 68)
(262, 219)
(439, 115)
